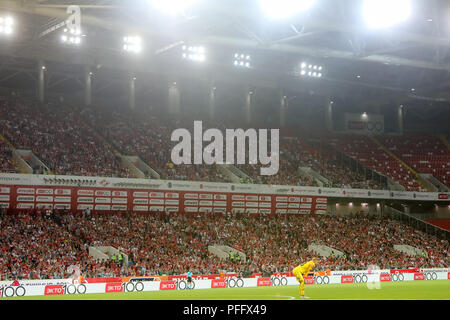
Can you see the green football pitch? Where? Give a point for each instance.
(415, 290)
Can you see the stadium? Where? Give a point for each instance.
(224, 150)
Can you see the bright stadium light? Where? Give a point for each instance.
(386, 13)
(6, 25)
(283, 9)
(71, 37)
(311, 70)
(194, 53)
(242, 60)
(132, 44)
(174, 7)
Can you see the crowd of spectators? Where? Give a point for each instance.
(73, 141)
(42, 245)
(59, 138)
(148, 137)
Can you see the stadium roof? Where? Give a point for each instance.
(407, 61)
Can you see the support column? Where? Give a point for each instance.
(174, 98)
(88, 86)
(248, 105)
(400, 119)
(41, 81)
(283, 107)
(329, 115)
(132, 92)
(212, 102)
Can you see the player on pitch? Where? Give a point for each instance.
(302, 271)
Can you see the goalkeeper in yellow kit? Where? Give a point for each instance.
(302, 271)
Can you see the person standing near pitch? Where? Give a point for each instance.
(302, 271)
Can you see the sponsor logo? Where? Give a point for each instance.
(5, 190)
(309, 280)
(191, 196)
(60, 192)
(85, 192)
(167, 285)
(443, 196)
(155, 194)
(25, 191)
(346, 279)
(140, 201)
(144, 208)
(44, 191)
(119, 194)
(419, 276)
(119, 200)
(140, 194)
(264, 282)
(218, 284)
(385, 277)
(172, 195)
(62, 199)
(53, 290)
(251, 204)
(103, 193)
(25, 198)
(102, 200)
(114, 287)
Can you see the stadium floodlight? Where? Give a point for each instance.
(72, 36)
(132, 44)
(311, 70)
(6, 25)
(174, 7)
(242, 60)
(194, 53)
(386, 13)
(283, 9)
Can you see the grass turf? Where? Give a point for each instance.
(411, 290)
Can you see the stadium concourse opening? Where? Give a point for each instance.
(95, 97)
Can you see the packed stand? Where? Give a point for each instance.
(58, 138)
(150, 139)
(159, 243)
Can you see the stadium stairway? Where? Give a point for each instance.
(223, 252)
(125, 162)
(324, 251)
(422, 182)
(409, 250)
(138, 167)
(21, 166)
